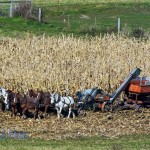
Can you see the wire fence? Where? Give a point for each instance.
(7, 7)
(4, 8)
(92, 23)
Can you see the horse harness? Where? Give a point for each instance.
(59, 99)
(2, 98)
(65, 102)
(0, 90)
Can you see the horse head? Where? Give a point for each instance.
(12, 97)
(54, 98)
(1, 96)
(46, 98)
(18, 97)
(3, 93)
(32, 93)
(4, 98)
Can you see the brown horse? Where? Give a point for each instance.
(32, 102)
(13, 102)
(45, 101)
(23, 102)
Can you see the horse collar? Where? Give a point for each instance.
(65, 102)
(55, 99)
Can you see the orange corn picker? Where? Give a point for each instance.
(137, 94)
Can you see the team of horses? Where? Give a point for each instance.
(21, 103)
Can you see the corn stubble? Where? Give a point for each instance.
(108, 124)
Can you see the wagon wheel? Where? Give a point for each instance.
(94, 108)
(90, 108)
(105, 107)
(124, 96)
(117, 105)
(139, 108)
(81, 112)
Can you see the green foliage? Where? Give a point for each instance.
(138, 33)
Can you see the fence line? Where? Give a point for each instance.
(7, 7)
(14, 1)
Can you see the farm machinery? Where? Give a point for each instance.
(86, 100)
(137, 94)
(135, 91)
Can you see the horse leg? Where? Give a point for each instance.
(3, 107)
(19, 110)
(70, 109)
(23, 113)
(22, 107)
(45, 112)
(7, 107)
(12, 111)
(15, 110)
(58, 112)
(73, 113)
(36, 113)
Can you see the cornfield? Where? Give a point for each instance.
(68, 64)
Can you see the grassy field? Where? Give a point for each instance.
(134, 142)
(88, 18)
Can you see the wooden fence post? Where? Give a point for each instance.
(40, 15)
(31, 3)
(11, 8)
(118, 25)
(68, 21)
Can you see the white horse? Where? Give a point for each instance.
(62, 102)
(4, 97)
